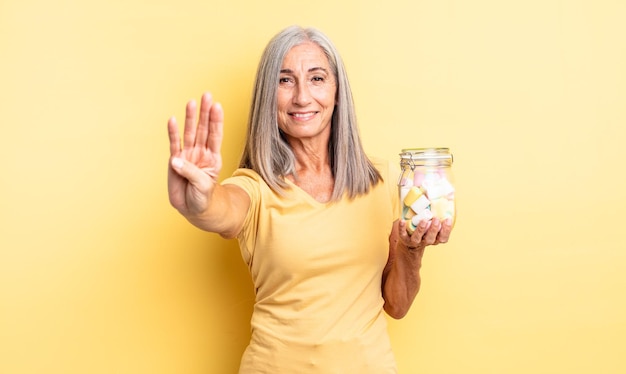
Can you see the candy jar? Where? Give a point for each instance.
(426, 186)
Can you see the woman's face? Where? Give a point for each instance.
(306, 93)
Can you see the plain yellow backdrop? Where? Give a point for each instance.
(98, 274)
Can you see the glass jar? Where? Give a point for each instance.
(426, 186)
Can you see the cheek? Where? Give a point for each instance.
(331, 95)
(282, 99)
(326, 97)
(281, 120)
(281, 108)
(332, 101)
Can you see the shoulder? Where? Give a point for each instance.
(247, 179)
(243, 176)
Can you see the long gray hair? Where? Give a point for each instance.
(266, 150)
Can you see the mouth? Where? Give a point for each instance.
(302, 116)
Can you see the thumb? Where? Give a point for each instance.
(191, 172)
(178, 164)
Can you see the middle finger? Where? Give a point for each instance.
(431, 235)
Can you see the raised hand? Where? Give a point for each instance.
(194, 166)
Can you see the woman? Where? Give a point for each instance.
(314, 217)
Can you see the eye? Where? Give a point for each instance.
(285, 80)
(318, 80)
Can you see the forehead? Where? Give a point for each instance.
(305, 54)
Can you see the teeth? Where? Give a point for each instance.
(302, 115)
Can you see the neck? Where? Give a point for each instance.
(311, 157)
(314, 174)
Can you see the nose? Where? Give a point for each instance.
(302, 94)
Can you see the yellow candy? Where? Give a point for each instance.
(412, 196)
(441, 208)
(410, 227)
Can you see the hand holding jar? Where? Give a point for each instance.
(426, 186)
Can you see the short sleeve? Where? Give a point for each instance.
(250, 182)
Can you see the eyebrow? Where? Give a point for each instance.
(317, 68)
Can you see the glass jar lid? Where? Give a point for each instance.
(426, 156)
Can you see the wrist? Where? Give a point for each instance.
(412, 256)
(413, 249)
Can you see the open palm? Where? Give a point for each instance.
(194, 166)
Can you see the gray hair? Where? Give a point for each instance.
(266, 150)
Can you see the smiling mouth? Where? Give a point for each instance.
(303, 116)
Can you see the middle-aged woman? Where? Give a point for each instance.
(314, 216)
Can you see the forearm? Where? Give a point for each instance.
(227, 206)
(401, 280)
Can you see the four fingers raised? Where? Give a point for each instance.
(206, 133)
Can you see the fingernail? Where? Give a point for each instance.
(177, 163)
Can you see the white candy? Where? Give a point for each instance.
(424, 215)
(436, 188)
(420, 204)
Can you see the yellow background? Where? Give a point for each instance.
(98, 274)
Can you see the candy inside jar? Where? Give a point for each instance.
(426, 186)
